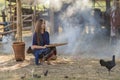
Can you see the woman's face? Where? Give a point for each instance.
(43, 25)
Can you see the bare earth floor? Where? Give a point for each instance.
(64, 68)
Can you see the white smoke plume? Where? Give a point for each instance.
(71, 24)
(81, 30)
(57, 4)
(6, 44)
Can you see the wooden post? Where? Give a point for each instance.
(34, 16)
(19, 21)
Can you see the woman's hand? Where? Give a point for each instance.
(33, 47)
(43, 46)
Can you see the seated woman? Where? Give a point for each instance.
(40, 40)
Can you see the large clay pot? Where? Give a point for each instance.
(19, 50)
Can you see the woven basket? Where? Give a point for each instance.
(19, 50)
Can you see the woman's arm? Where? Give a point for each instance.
(37, 47)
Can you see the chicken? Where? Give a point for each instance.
(108, 64)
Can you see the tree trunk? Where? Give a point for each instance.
(19, 21)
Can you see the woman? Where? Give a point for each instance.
(40, 40)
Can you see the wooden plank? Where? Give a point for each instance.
(56, 44)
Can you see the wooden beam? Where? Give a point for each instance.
(8, 32)
(27, 16)
(56, 44)
(7, 26)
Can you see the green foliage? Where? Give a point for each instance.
(101, 5)
(2, 2)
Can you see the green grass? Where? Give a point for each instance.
(102, 5)
(2, 3)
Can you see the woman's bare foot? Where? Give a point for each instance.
(41, 61)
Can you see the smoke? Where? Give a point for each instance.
(73, 24)
(81, 29)
(57, 4)
(116, 49)
(6, 44)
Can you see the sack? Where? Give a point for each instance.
(29, 50)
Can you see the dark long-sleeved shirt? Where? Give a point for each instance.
(45, 39)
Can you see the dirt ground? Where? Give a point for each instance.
(64, 68)
(84, 66)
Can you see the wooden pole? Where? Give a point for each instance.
(10, 10)
(34, 16)
(19, 21)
